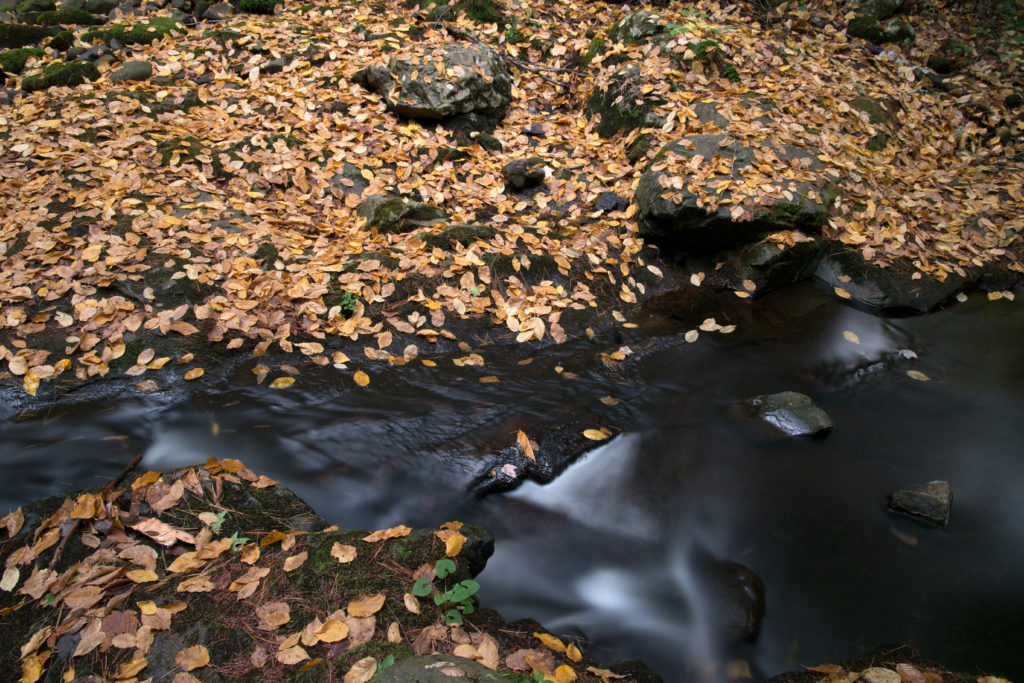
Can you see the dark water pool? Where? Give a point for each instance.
(627, 545)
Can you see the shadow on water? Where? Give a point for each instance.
(642, 544)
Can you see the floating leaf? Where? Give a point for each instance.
(851, 337)
(194, 373)
(597, 434)
(842, 293)
(918, 375)
(361, 378)
(282, 382)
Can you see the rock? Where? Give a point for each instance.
(93, 53)
(523, 173)
(143, 32)
(881, 9)
(609, 201)
(476, 549)
(893, 289)
(737, 597)
(930, 502)
(14, 61)
(900, 32)
(878, 674)
(395, 214)
(636, 28)
(617, 104)
(462, 234)
(136, 70)
(62, 41)
(277, 65)
(222, 10)
(867, 27)
(436, 669)
(1013, 101)
(789, 412)
(33, 7)
(481, 85)
(62, 17)
(671, 215)
(770, 265)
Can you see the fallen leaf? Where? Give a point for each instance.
(141, 575)
(919, 376)
(385, 534)
(361, 378)
(596, 434)
(295, 561)
(525, 446)
(550, 641)
(282, 382)
(332, 631)
(343, 553)
(365, 606)
(851, 337)
(292, 655)
(361, 671)
(193, 657)
(194, 373)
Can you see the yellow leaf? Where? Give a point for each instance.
(147, 607)
(195, 584)
(361, 671)
(182, 327)
(130, 668)
(411, 603)
(192, 657)
(565, 674)
(332, 631)
(851, 336)
(609, 401)
(525, 446)
(919, 376)
(572, 653)
(273, 615)
(550, 641)
(453, 541)
(292, 655)
(272, 537)
(92, 252)
(295, 561)
(32, 667)
(194, 373)
(365, 606)
(596, 434)
(31, 383)
(361, 378)
(842, 293)
(343, 553)
(142, 575)
(250, 553)
(384, 534)
(282, 382)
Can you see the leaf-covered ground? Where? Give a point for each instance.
(213, 206)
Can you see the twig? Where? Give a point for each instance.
(111, 485)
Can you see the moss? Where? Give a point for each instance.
(222, 35)
(793, 215)
(478, 11)
(62, 41)
(463, 234)
(19, 35)
(877, 142)
(258, 6)
(13, 61)
(267, 253)
(67, 16)
(877, 113)
(67, 74)
(638, 148)
(144, 32)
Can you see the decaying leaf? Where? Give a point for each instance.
(193, 657)
(295, 561)
(361, 671)
(365, 606)
(343, 553)
(385, 534)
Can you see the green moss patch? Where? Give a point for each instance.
(19, 35)
(67, 74)
(144, 32)
(13, 61)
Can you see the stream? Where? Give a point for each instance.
(630, 544)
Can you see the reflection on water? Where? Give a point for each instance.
(634, 544)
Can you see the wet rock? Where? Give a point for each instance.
(930, 502)
(671, 215)
(789, 412)
(436, 669)
(636, 28)
(881, 9)
(617, 104)
(136, 70)
(522, 174)
(609, 201)
(395, 214)
(482, 84)
(894, 289)
(770, 265)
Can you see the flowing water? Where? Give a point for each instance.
(629, 544)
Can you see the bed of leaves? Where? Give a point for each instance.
(111, 191)
(169, 556)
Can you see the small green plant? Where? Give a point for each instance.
(348, 303)
(459, 596)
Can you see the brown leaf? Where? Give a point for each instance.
(385, 534)
(193, 657)
(366, 606)
(343, 553)
(361, 671)
(295, 561)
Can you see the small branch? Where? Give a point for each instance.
(111, 485)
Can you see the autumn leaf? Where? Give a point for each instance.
(142, 575)
(295, 561)
(193, 657)
(273, 615)
(525, 447)
(550, 641)
(365, 606)
(282, 382)
(851, 337)
(343, 553)
(332, 631)
(597, 434)
(385, 534)
(194, 373)
(361, 378)
(292, 655)
(918, 375)
(362, 671)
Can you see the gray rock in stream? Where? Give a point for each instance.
(789, 412)
(929, 502)
(435, 669)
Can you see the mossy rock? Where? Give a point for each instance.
(394, 214)
(478, 11)
(67, 74)
(636, 28)
(20, 35)
(144, 32)
(866, 27)
(259, 6)
(617, 105)
(878, 113)
(462, 234)
(13, 61)
(62, 41)
(29, 8)
(63, 17)
(877, 142)
(638, 148)
(222, 35)
(899, 31)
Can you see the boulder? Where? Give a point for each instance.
(464, 234)
(881, 9)
(523, 174)
(436, 669)
(899, 288)
(789, 412)
(395, 214)
(929, 502)
(475, 81)
(135, 70)
(866, 27)
(636, 28)
(617, 104)
(675, 215)
(20, 35)
(609, 201)
(67, 74)
(737, 596)
(222, 10)
(770, 264)
(900, 32)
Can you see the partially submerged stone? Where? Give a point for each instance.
(396, 214)
(930, 502)
(135, 70)
(789, 412)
